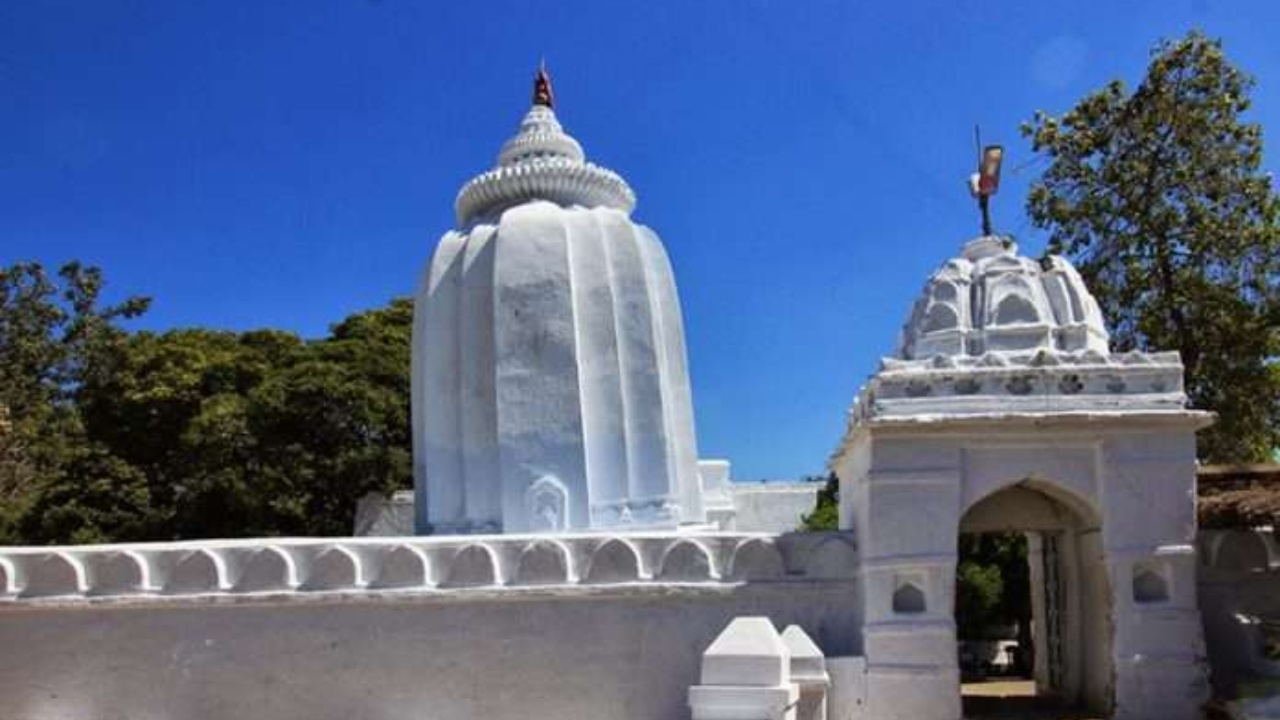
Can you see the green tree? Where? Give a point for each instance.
(826, 511)
(94, 497)
(336, 424)
(16, 477)
(1159, 196)
(176, 407)
(992, 584)
(260, 433)
(55, 336)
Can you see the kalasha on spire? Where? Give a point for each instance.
(542, 94)
(541, 162)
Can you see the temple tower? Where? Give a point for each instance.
(550, 388)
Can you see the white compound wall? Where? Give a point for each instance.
(493, 627)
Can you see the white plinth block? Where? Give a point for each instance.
(746, 675)
(808, 673)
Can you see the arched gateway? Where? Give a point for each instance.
(1070, 593)
(1003, 410)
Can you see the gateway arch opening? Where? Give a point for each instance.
(1033, 613)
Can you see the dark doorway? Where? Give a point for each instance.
(993, 621)
(1030, 609)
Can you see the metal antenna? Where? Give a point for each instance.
(983, 198)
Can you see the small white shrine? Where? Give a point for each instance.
(550, 388)
(1003, 410)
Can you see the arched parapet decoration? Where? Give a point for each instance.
(334, 568)
(195, 572)
(614, 561)
(473, 565)
(51, 574)
(651, 550)
(267, 569)
(117, 573)
(721, 550)
(756, 559)
(506, 555)
(687, 561)
(404, 567)
(580, 551)
(1240, 551)
(833, 558)
(543, 562)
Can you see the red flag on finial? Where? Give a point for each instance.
(542, 94)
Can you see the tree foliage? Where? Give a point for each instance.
(55, 336)
(1159, 196)
(826, 511)
(107, 435)
(993, 588)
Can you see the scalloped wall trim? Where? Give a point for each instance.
(309, 567)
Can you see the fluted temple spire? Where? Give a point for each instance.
(542, 93)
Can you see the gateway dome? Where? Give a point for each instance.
(990, 299)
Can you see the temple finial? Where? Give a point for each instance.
(542, 93)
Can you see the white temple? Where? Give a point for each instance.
(550, 388)
(551, 397)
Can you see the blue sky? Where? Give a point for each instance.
(285, 164)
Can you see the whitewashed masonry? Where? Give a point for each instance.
(1004, 411)
(167, 572)
(550, 387)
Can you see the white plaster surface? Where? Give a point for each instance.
(624, 654)
(550, 387)
(991, 300)
(847, 697)
(743, 507)
(1004, 410)
(717, 493)
(381, 516)
(1134, 513)
(961, 353)
(509, 626)
(808, 673)
(808, 664)
(748, 652)
(772, 507)
(293, 569)
(746, 675)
